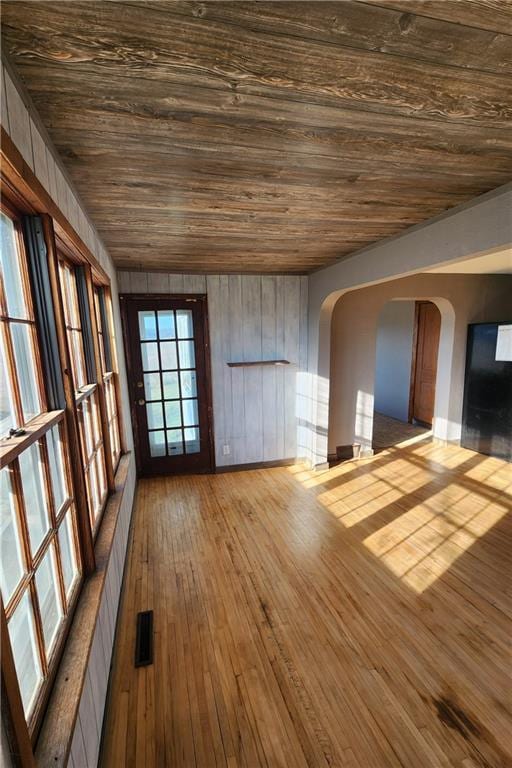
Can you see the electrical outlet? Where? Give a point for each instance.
(226, 450)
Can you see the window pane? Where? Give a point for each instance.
(155, 415)
(174, 442)
(77, 358)
(11, 562)
(173, 414)
(57, 469)
(24, 649)
(190, 412)
(184, 323)
(147, 326)
(34, 497)
(49, 598)
(150, 356)
(188, 384)
(192, 444)
(86, 427)
(187, 357)
(7, 413)
(67, 553)
(24, 359)
(96, 417)
(10, 264)
(168, 354)
(171, 388)
(166, 329)
(152, 388)
(157, 443)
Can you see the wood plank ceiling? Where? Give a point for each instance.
(268, 136)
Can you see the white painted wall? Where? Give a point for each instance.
(482, 226)
(393, 357)
(250, 317)
(461, 299)
(20, 120)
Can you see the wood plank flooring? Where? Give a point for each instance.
(388, 431)
(358, 617)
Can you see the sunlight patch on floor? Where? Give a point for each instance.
(424, 542)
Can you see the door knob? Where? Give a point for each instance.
(141, 402)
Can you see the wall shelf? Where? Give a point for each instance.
(258, 362)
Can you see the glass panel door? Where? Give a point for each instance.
(170, 389)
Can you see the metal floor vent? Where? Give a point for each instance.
(144, 639)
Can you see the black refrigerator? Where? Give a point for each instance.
(487, 409)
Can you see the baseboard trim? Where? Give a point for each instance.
(256, 465)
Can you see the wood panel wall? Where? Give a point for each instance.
(87, 735)
(20, 120)
(251, 317)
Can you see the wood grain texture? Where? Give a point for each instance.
(268, 137)
(358, 617)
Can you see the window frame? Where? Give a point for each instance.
(96, 463)
(7, 320)
(109, 377)
(23, 729)
(35, 432)
(48, 660)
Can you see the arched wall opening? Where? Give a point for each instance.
(406, 363)
(354, 331)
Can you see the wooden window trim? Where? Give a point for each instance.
(11, 447)
(7, 320)
(27, 586)
(56, 734)
(22, 193)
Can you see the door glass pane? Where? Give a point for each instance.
(166, 329)
(155, 415)
(32, 480)
(25, 652)
(157, 443)
(24, 357)
(152, 388)
(150, 360)
(173, 414)
(168, 353)
(147, 326)
(57, 471)
(49, 598)
(188, 384)
(7, 413)
(67, 553)
(174, 442)
(171, 388)
(11, 563)
(184, 323)
(190, 412)
(187, 357)
(10, 265)
(192, 444)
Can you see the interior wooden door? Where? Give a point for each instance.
(166, 344)
(428, 328)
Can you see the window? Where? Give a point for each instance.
(86, 395)
(40, 565)
(103, 321)
(21, 394)
(73, 324)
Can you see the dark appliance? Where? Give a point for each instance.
(487, 409)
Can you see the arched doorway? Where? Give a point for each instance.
(406, 359)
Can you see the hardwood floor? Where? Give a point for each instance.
(355, 617)
(388, 431)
